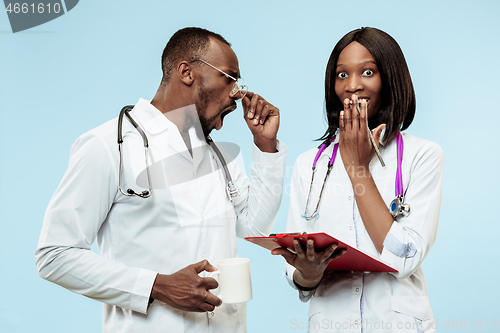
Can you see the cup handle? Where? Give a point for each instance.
(212, 274)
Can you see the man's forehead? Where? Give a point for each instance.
(222, 55)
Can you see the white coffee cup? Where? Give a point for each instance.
(235, 283)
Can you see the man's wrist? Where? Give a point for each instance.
(266, 145)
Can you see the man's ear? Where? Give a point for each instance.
(184, 70)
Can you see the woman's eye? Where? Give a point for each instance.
(368, 72)
(342, 75)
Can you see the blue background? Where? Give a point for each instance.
(60, 79)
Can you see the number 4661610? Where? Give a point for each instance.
(25, 8)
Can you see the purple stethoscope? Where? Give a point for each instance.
(397, 207)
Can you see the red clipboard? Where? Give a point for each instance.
(353, 260)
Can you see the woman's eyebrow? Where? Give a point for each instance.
(361, 63)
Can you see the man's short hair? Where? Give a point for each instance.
(186, 44)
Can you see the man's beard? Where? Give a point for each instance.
(201, 108)
(205, 97)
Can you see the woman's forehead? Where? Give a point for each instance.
(355, 54)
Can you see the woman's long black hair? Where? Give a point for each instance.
(397, 107)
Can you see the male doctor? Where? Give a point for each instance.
(156, 250)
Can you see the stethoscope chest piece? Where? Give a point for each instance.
(398, 208)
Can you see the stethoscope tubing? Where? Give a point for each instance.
(231, 188)
(144, 194)
(401, 209)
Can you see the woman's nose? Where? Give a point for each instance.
(354, 84)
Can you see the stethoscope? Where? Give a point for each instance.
(231, 189)
(397, 206)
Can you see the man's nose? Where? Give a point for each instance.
(238, 93)
(234, 94)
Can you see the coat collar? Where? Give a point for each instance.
(154, 122)
(151, 119)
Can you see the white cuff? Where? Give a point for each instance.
(142, 290)
(396, 242)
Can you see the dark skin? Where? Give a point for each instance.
(358, 81)
(357, 153)
(310, 265)
(263, 120)
(185, 289)
(262, 117)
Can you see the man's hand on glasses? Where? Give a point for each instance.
(263, 119)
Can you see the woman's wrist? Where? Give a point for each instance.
(302, 287)
(303, 283)
(360, 181)
(359, 172)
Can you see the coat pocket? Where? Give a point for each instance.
(416, 307)
(411, 314)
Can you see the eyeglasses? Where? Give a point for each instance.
(239, 90)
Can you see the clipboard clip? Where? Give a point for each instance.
(287, 235)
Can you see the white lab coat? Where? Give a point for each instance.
(188, 218)
(372, 302)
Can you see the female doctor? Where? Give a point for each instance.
(390, 212)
